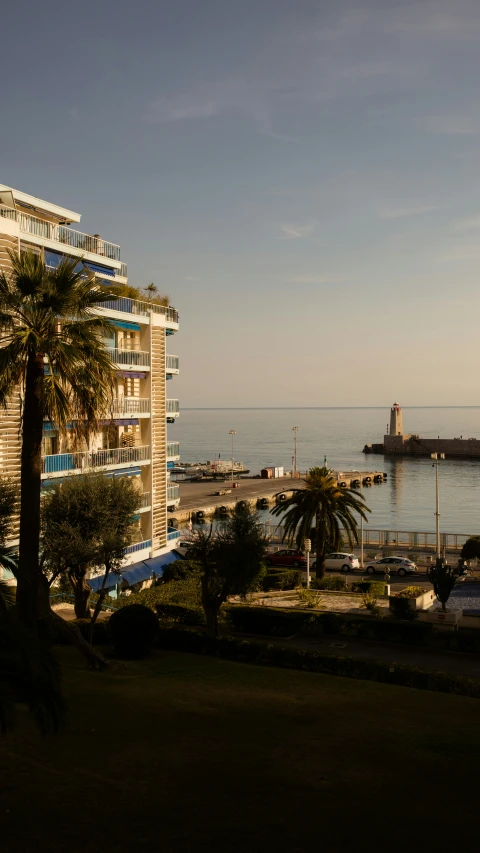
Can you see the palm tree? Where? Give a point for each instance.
(322, 511)
(50, 349)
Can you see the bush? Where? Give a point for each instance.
(185, 592)
(180, 570)
(401, 609)
(282, 622)
(100, 630)
(368, 586)
(179, 614)
(265, 654)
(410, 592)
(132, 631)
(282, 580)
(331, 582)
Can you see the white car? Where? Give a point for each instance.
(400, 565)
(341, 562)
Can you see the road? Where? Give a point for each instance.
(194, 496)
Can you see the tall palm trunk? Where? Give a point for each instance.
(319, 548)
(30, 481)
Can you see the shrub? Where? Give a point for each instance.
(282, 622)
(370, 604)
(368, 586)
(179, 614)
(310, 598)
(246, 651)
(133, 631)
(180, 570)
(185, 592)
(331, 582)
(401, 609)
(100, 630)
(282, 580)
(410, 592)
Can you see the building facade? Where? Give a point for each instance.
(133, 441)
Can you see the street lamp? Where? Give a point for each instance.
(308, 547)
(294, 430)
(437, 457)
(232, 432)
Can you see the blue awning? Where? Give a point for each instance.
(137, 573)
(148, 568)
(120, 422)
(121, 324)
(96, 584)
(130, 374)
(99, 268)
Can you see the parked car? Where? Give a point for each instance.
(339, 562)
(286, 557)
(400, 565)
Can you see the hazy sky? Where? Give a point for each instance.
(300, 176)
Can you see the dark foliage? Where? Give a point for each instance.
(132, 631)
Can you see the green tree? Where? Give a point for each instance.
(51, 348)
(231, 560)
(471, 548)
(88, 521)
(443, 578)
(8, 502)
(323, 512)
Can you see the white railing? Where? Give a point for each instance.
(173, 449)
(172, 362)
(141, 309)
(173, 492)
(172, 407)
(64, 462)
(130, 406)
(8, 212)
(146, 500)
(61, 234)
(138, 358)
(123, 270)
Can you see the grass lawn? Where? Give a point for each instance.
(184, 753)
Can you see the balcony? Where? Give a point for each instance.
(172, 409)
(76, 463)
(129, 358)
(140, 309)
(130, 406)
(139, 546)
(172, 534)
(36, 227)
(173, 494)
(173, 451)
(145, 501)
(172, 364)
(8, 213)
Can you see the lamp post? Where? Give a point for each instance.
(437, 457)
(308, 548)
(232, 432)
(294, 430)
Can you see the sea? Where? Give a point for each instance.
(406, 501)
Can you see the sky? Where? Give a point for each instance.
(301, 177)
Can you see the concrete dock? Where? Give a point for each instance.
(200, 497)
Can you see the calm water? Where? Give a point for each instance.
(405, 502)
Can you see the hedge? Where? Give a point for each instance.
(289, 579)
(264, 654)
(281, 622)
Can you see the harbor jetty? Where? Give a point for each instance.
(398, 443)
(199, 499)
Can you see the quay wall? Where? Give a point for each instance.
(413, 445)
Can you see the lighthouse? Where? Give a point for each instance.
(396, 420)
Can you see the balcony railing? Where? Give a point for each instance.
(172, 362)
(173, 534)
(63, 462)
(129, 357)
(172, 408)
(146, 500)
(123, 271)
(173, 449)
(140, 309)
(173, 492)
(61, 234)
(139, 546)
(130, 406)
(8, 212)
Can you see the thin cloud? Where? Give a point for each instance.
(315, 279)
(466, 224)
(74, 114)
(296, 232)
(461, 253)
(412, 210)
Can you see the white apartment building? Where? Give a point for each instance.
(132, 442)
